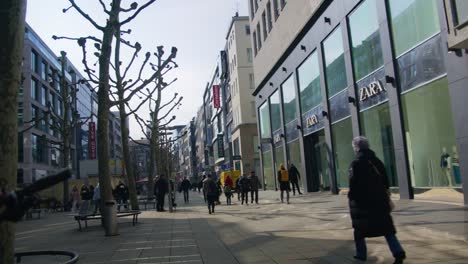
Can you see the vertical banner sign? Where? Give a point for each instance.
(216, 101)
(92, 140)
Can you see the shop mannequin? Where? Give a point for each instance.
(446, 165)
(455, 165)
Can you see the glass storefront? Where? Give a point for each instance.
(335, 70)
(279, 159)
(318, 170)
(268, 173)
(294, 157)
(412, 22)
(342, 135)
(377, 127)
(289, 100)
(264, 114)
(365, 39)
(430, 137)
(275, 111)
(308, 75)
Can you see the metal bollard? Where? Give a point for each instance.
(110, 218)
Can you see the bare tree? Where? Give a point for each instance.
(12, 16)
(113, 22)
(127, 88)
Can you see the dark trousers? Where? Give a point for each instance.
(228, 198)
(245, 196)
(392, 241)
(186, 196)
(122, 201)
(211, 202)
(295, 184)
(160, 202)
(252, 194)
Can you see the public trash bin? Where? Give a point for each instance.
(110, 218)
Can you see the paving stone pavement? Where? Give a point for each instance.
(314, 228)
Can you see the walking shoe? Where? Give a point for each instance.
(399, 258)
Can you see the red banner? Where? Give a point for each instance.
(216, 100)
(92, 140)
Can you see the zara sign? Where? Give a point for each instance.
(312, 120)
(374, 88)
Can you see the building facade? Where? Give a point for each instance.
(242, 126)
(378, 68)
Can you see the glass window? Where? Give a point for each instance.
(265, 121)
(268, 173)
(255, 144)
(34, 90)
(365, 39)
(34, 62)
(275, 9)
(283, 3)
(430, 136)
(294, 157)
(412, 22)
(43, 70)
(342, 136)
(377, 127)
(461, 7)
(259, 37)
(275, 111)
(289, 100)
(269, 18)
(44, 96)
(254, 37)
(235, 147)
(308, 75)
(249, 55)
(264, 25)
(335, 70)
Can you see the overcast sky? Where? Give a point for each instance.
(196, 27)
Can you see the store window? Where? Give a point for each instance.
(289, 100)
(275, 111)
(308, 75)
(365, 39)
(294, 156)
(335, 70)
(377, 127)
(430, 136)
(268, 173)
(342, 135)
(412, 22)
(264, 114)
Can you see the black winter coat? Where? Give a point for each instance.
(368, 196)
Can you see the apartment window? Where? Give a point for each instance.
(254, 37)
(34, 61)
(34, 90)
(259, 37)
(251, 81)
(252, 12)
(275, 9)
(252, 109)
(249, 54)
(38, 149)
(265, 32)
(43, 70)
(34, 117)
(247, 29)
(283, 3)
(269, 18)
(235, 60)
(44, 122)
(235, 147)
(52, 99)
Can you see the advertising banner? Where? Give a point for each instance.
(216, 99)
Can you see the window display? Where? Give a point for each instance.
(342, 135)
(308, 75)
(289, 100)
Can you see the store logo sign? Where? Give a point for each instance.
(374, 88)
(312, 120)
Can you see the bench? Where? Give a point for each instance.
(146, 202)
(31, 211)
(89, 217)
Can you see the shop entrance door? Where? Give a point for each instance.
(317, 169)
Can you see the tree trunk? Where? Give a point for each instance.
(65, 124)
(127, 159)
(105, 181)
(12, 15)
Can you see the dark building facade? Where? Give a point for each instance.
(378, 68)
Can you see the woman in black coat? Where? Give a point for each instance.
(369, 201)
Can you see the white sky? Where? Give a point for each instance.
(196, 27)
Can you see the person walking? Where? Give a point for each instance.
(84, 192)
(97, 199)
(75, 198)
(283, 179)
(369, 201)
(201, 185)
(238, 187)
(211, 190)
(245, 189)
(294, 178)
(121, 193)
(254, 185)
(161, 188)
(185, 185)
(228, 186)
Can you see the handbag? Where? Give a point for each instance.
(391, 204)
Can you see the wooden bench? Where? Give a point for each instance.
(89, 217)
(146, 202)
